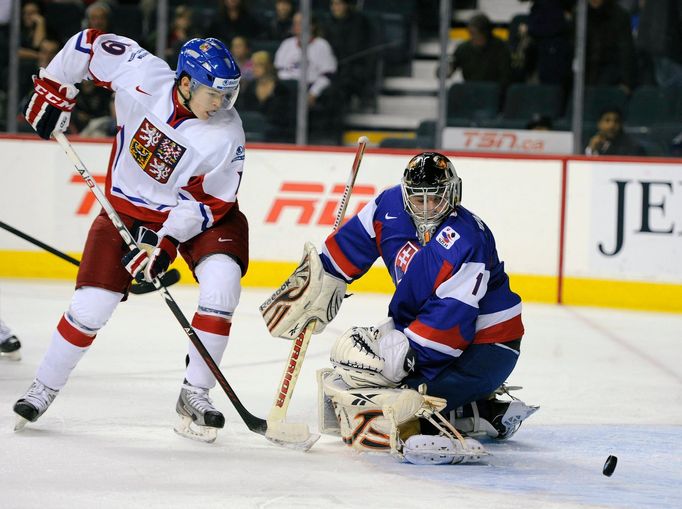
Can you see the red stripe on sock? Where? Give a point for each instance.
(212, 324)
(73, 335)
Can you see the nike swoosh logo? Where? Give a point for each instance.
(220, 239)
(389, 217)
(141, 91)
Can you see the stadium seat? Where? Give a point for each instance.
(524, 101)
(255, 125)
(596, 99)
(63, 19)
(651, 105)
(127, 20)
(470, 102)
(398, 143)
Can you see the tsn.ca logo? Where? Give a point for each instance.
(311, 204)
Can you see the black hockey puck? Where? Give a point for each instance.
(610, 466)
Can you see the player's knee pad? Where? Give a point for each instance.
(219, 285)
(91, 307)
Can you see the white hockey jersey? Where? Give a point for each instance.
(164, 167)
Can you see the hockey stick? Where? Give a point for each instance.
(254, 423)
(169, 278)
(278, 412)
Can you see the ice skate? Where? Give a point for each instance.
(441, 450)
(10, 347)
(199, 419)
(508, 416)
(33, 404)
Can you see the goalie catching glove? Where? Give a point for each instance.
(309, 294)
(377, 356)
(50, 106)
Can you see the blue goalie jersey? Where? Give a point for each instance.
(449, 294)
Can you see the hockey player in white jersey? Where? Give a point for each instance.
(174, 172)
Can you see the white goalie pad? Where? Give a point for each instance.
(373, 420)
(372, 356)
(308, 294)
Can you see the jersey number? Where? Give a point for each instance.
(479, 278)
(114, 47)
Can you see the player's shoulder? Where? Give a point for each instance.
(460, 234)
(223, 133)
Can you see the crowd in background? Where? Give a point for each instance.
(632, 46)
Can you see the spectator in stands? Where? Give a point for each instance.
(659, 40)
(234, 19)
(181, 30)
(98, 16)
(91, 103)
(348, 32)
(241, 52)
(610, 140)
(267, 95)
(33, 30)
(321, 60)
(483, 57)
(99, 127)
(47, 49)
(323, 97)
(280, 26)
(610, 52)
(550, 28)
(539, 123)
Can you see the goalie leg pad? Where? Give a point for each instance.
(441, 450)
(309, 294)
(360, 415)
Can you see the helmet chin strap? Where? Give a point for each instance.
(185, 100)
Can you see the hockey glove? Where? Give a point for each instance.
(152, 257)
(50, 106)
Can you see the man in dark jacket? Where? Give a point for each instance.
(610, 140)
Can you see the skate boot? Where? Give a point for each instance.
(33, 404)
(508, 416)
(9, 344)
(199, 419)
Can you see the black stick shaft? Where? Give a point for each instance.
(40, 244)
(254, 423)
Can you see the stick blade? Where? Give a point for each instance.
(291, 435)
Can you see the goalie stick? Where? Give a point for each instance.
(278, 412)
(168, 279)
(255, 424)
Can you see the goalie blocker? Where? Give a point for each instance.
(308, 294)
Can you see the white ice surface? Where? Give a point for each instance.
(608, 382)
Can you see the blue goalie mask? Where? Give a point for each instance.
(208, 62)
